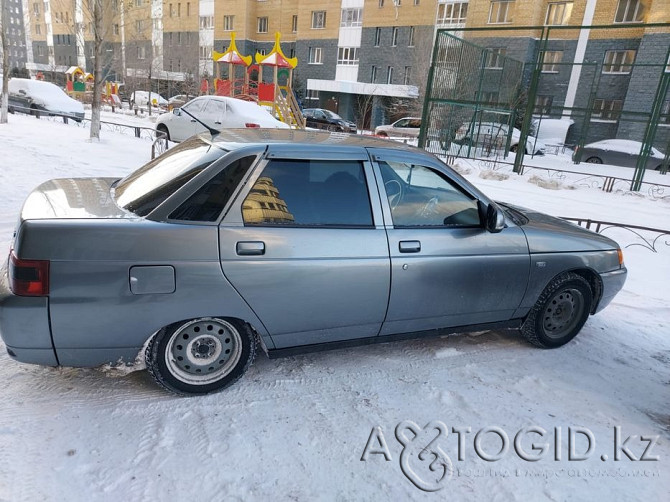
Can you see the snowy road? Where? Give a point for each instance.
(296, 428)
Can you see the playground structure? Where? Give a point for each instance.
(235, 78)
(79, 85)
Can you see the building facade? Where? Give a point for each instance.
(14, 28)
(366, 59)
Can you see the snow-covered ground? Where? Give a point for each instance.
(297, 428)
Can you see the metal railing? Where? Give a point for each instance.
(646, 237)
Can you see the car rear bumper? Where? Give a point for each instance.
(612, 284)
(24, 326)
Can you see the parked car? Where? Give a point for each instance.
(180, 100)
(481, 133)
(217, 112)
(297, 239)
(320, 118)
(619, 152)
(36, 97)
(142, 98)
(408, 126)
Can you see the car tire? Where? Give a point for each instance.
(382, 134)
(560, 312)
(200, 356)
(163, 128)
(34, 111)
(594, 160)
(513, 148)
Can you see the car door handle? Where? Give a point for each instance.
(248, 248)
(192, 120)
(409, 246)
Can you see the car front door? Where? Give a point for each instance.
(305, 246)
(186, 126)
(446, 269)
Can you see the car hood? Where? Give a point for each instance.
(80, 198)
(547, 234)
(62, 104)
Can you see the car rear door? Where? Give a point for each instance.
(305, 246)
(446, 269)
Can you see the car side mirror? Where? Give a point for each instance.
(177, 112)
(492, 217)
(21, 91)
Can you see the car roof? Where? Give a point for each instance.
(233, 139)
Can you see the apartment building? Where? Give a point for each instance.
(357, 56)
(13, 26)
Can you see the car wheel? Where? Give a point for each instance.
(594, 160)
(163, 128)
(513, 148)
(201, 355)
(34, 111)
(382, 134)
(560, 312)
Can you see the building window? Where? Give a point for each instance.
(389, 74)
(408, 75)
(262, 25)
(543, 105)
(139, 25)
(351, 17)
(141, 52)
(206, 22)
(294, 24)
(381, 3)
(665, 113)
(205, 52)
(373, 74)
(38, 29)
(347, 55)
(501, 12)
(315, 55)
(558, 13)
(378, 36)
(36, 9)
(416, 2)
(138, 3)
(618, 61)
(550, 61)
(312, 95)
(394, 36)
(495, 58)
(490, 98)
(606, 109)
(318, 19)
(410, 37)
(452, 12)
(228, 23)
(397, 3)
(116, 29)
(629, 11)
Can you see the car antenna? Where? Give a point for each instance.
(211, 130)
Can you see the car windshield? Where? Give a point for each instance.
(145, 189)
(332, 115)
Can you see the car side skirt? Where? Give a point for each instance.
(319, 347)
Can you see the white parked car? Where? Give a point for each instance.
(480, 133)
(407, 126)
(36, 96)
(218, 112)
(141, 98)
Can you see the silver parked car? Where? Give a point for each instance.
(300, 240)
(407, 127)
(619, 152)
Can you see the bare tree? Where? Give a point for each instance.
(5, 62)
(98, 31)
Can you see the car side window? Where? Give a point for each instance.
(312, 193)
(194, 106)
(401, 123)
(423, 197)
(208, 202)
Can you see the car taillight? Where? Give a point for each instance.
(28, 277)
(251, 124)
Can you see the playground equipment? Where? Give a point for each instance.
(76, 82)
(276, 95)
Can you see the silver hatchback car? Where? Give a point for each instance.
(297, 240)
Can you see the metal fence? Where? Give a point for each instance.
(551, 90)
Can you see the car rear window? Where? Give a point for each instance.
(145, 189)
